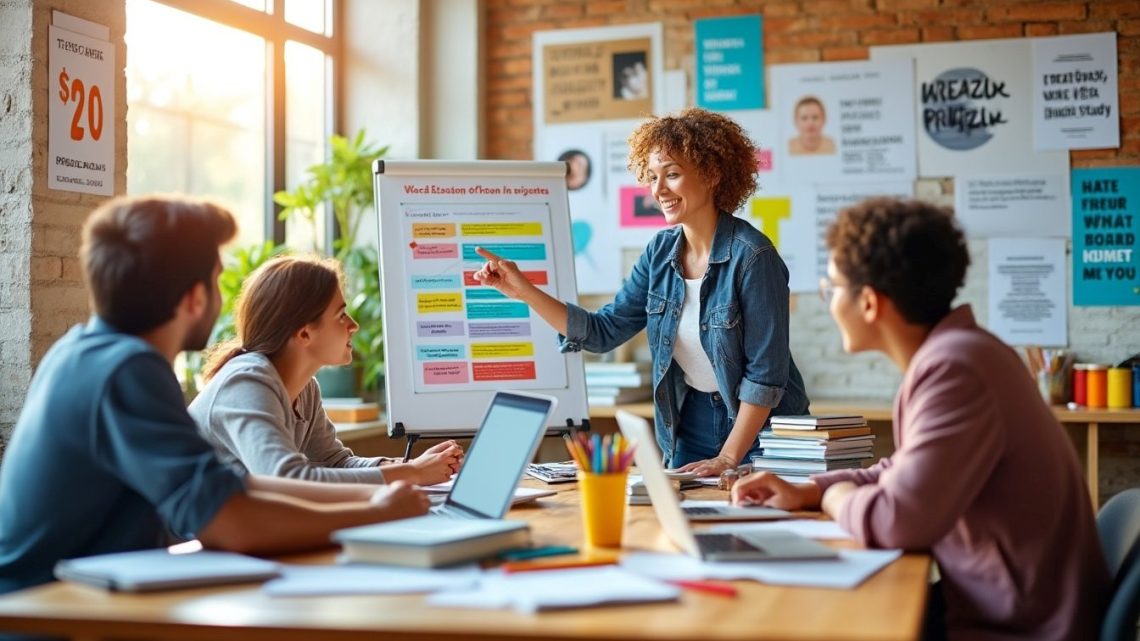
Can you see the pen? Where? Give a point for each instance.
(511, 567)
(722, 589)
(521, 554)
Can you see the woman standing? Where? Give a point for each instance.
(262, 406)
(711, 291)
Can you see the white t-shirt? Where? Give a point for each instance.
(687, 350)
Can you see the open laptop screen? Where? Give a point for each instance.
(504, 444)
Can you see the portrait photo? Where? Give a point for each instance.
(578, 168)
(810, 117)
(631, 76)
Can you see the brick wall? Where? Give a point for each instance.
(41, 291)
(830, 30)
(800, 31)
(834, 30)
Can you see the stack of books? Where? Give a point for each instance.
(795, 447)
(566, 472)
(609, 384)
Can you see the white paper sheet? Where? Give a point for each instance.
(318, 580)
(973, 106)
(521, 495)
(1027, 291)
(993, 204)
(847, 572)
(1075, 103)
(556, 589)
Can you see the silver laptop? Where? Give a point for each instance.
(720, 546)
(494, 463)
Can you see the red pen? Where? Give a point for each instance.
(722, 589)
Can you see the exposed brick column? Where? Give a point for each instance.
(41, 292)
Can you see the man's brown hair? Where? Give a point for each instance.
(141, 255)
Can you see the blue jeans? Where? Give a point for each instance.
(703, 429)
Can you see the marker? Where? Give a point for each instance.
(722, 589)
(522, 554)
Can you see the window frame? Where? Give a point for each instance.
(276, 31)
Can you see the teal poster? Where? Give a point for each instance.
(1106, 222)
(730, 63)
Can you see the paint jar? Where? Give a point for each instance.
(1136, 385)
(1080, 383)
(1097, 386)
(1119, 387)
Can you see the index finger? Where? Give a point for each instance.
(487, 254)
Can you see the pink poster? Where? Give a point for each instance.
(639, 208)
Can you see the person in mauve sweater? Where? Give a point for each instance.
(983, 475)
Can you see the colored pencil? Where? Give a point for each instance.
(534, 566)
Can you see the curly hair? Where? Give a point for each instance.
(714, 144)
(912, 252)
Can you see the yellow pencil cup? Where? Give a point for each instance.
(1119, 387)
(603, 508)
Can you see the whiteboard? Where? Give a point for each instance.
(452, 342)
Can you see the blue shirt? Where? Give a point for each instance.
(743, 318)
(104, 458)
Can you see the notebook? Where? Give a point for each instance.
(506, 441)
(710, 546)
(151, 570)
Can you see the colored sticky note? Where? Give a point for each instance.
(439, 303)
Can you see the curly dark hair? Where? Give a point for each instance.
(912, 252)
(714, 144)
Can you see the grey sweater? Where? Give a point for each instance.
(244, 412)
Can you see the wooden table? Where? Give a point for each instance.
(888, 606)
(873, 411)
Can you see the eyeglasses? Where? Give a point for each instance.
(827, 289)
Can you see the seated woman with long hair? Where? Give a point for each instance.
(262, 407)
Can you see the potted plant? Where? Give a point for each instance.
(343, 183)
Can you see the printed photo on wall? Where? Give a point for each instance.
(578, 168)
(598, 80)
(631, 76)
(844, 122)
(810, 118)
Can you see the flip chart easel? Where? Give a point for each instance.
(451, 341)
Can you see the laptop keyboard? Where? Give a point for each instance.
(723, 543)
(701, 511)
(713, 543)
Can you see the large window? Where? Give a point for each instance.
(230, 100)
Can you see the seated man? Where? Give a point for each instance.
(104, 457)
(982, 475)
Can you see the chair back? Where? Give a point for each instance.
(1123, 612)
(1118, 524)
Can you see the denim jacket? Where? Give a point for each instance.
(744, 323)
